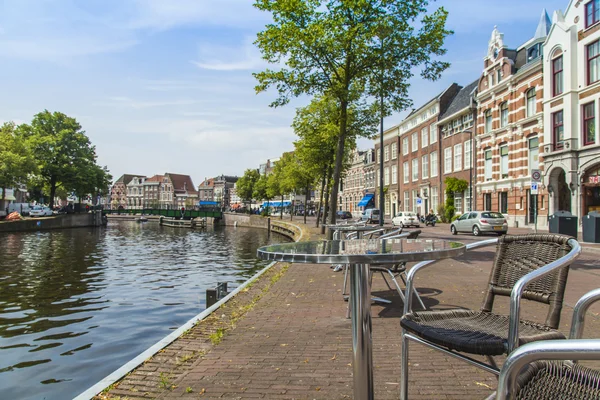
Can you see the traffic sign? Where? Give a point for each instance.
(419, 201)
(536, 175)
(534, 188)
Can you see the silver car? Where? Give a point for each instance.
(478, 222)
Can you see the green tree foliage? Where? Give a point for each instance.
(64, 155)
(453, 185)
(245, 185)
(16, 159)
(261, 189)
(351, 50)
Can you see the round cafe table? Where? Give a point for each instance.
(360, 253)
(359, 229)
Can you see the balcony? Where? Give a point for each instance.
(569, 144)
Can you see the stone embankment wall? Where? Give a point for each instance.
(257, 221)
(54, 222)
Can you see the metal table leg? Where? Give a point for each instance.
(362, 346)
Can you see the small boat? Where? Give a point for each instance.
(141, 219)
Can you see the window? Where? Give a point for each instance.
(406, 171)
(434, 164)
(415, 169)
(592, 13)
(394, 174)
(386, 153)
(457, 157)
(488, 121)
(468, 157)
(415, 141)
(405, 146)
(488, 164)
(533, 52)
(414, 199)
(589, 123)
(558, 133)
(487, 201)
(458, 203)
(425, 166)
(386, 176)
(394, 150)
(425, 137)
(504, 162)
(593, 62)
(448, 160)
(557, 76)
(498, 75)
(378, 157)
(503, 114)
(434, 198)
(432, 134)
(468, 199)
(534, 151)
(530, 102)
(503, 202)
(406, 201)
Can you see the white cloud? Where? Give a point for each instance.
(229, 58)
(124, 101)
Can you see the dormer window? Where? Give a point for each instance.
(533, 52)
(592, 13)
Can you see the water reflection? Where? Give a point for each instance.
(77, 304)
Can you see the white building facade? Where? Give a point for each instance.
(571, 150)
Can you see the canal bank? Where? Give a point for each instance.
(65, 221)
(156, 370)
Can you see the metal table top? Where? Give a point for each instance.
(353, 228)
(362, 251)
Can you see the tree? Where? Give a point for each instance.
(349, 50)
(453, 185)
(301, 176)
(16, 159)
(260, 190)
(62, 151)
(245, 185)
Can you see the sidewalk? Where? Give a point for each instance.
(296, 342)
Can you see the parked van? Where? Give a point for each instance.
(370, 215)
(21, 208)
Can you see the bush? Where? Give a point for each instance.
(454, 218)
(441, 211)
(450, 213)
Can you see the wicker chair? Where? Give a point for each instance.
(533, 267)
(523, 376)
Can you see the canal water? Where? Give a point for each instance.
(77, 304)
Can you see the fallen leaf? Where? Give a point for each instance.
(306, 360)
(484, 385)
(334, 357)
(283, 344)
(317, 389)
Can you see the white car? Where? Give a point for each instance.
(40, 211)
(406, 218)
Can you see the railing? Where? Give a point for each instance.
(213, 212)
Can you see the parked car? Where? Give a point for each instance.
(21, 208)
(40, 211)
(344, 215)
(406, 218)
(478, 222)
(370, 215)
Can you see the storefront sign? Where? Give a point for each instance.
(594, 179)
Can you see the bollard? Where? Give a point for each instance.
(221, 290)
(211, 297)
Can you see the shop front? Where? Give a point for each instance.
(591, 190)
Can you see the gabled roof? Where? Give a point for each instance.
(126, 178)
(155, 178)
(226, 178)
(543, 26)
(461, 100)
(181, 183)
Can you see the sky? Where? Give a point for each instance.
(166, 85)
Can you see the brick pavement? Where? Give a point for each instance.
(296, 342)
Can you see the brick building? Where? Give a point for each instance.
(571, 150)
(510, 128)
(118, 191)
(206, 190)
(152, 187)
(353, 184)
(135, 193)
(456, 131)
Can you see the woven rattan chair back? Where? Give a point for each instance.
(516, 256)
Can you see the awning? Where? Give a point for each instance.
(207, 203)
(276, 203)
(365, 200)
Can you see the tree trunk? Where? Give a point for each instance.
(292, 209)
(281, 211)
(321, 196)
(305, 203)
(52, 191)
(326, 205)
(339, 159)
(4, 198)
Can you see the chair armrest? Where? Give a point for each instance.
(579, 312)
(391, 234)
(517, 291)
(413, 271)
(580, 349)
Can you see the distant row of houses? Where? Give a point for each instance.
(169, 191)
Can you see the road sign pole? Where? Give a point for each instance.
(535, 212)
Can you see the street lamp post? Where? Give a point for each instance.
(381, 194)
(471, 170)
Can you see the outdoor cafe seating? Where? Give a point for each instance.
(532, 266)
